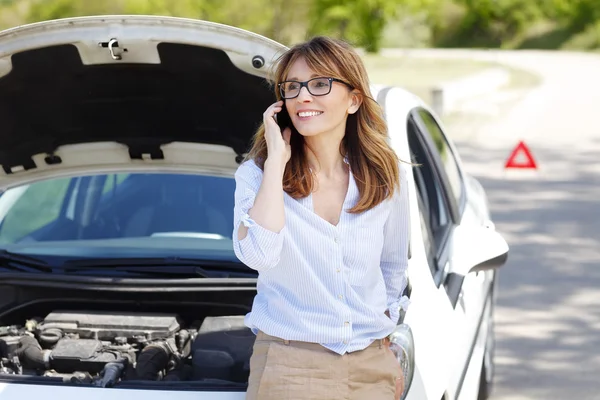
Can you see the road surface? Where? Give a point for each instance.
(548, 311)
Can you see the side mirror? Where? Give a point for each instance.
(477, 248)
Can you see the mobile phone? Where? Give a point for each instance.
(283, 119)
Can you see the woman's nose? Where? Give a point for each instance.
(304, 95)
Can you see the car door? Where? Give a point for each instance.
(441, 189)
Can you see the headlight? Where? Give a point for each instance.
(403, 346)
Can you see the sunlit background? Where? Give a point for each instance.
(497, 72)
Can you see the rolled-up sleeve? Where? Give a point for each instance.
(261, 248)
(394, 257)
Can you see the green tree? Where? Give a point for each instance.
(509, 16)
(491, 22)
(280, 20)
(575, 14)
(361, 22)
(41, 10)
(331, 17)
(371, 17)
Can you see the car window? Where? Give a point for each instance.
(38, 205)
(435, 211)
(428, 183)
(427, 235)
(113, 181)
(446, 155)
(118, 207)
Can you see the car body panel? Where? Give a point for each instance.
(143, 30)
(32, 391)
(453, 361)
(126, 105)
(426, 299)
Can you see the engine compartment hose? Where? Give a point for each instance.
(31, 354)
(152, 360)
(49, 337)
(111, 373)
(184, 342)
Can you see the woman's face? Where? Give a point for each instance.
(315, 115)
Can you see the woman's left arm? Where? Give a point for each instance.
(394, 256)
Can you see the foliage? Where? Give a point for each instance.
(272, 18)
(361, 22)
(577, 14)
(41, 10)
(500, 18)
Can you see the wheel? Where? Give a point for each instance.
(485, 385)
(487, 367)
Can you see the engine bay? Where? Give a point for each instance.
(107, 348)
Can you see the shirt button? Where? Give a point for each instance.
(345, 342)
(346, 323)
(337, 270)
(336, 239)
(340, 296)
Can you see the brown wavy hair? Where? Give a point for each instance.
(373, 163)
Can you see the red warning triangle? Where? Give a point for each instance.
(521, 158)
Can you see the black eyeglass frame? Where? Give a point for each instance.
(305, 84)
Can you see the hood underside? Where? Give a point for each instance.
(161, 80)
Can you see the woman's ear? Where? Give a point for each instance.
(357, 99)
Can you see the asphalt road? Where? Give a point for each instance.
(548, 310)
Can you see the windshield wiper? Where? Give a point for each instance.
(22, 262)
(166, 266)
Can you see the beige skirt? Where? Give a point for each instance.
(291, 370)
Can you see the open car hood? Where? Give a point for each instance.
(128, 93)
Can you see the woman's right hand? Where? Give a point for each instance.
(278, 145)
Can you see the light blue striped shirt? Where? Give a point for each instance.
(322, 283)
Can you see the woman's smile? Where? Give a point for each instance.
(307, 115)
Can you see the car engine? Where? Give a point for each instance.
(105, 348)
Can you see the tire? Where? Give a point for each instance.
(485, 386)
(486, 378)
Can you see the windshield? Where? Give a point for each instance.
(121, 215)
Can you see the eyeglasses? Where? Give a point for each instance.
(315, 86)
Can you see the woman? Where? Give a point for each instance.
(321, 212)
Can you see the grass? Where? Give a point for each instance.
(420, 75)
(465, 125)
(549, 35)
(418, 72)
(522, 79)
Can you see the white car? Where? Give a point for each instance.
(119, 139)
